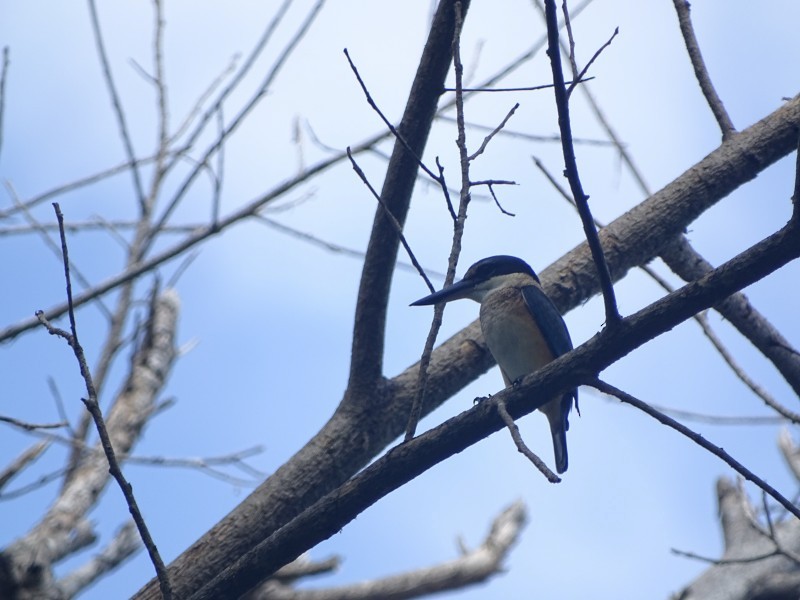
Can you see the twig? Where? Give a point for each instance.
(571, 166)
(490, 184)
(124, 544)
(94, 408)
(700, 71)
(701, 320)
(725, 561)
(515, 89)
(137, 269)
(119, 113)
(580, 78)
(184, 187)
(520, 443)
(251, 59)
(437, 178)
(494, 132)
(458, 230)
(3, 76)
(698, 439)
(51, 245)
(531, 136)
(32, 426)
(21, 462)
(335, 248)
(392, 219)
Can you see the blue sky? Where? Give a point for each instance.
(267, 318)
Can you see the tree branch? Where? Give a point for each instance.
(682, 7)
(408, 460)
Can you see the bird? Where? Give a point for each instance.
(522, 328)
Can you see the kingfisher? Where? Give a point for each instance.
(522, 328)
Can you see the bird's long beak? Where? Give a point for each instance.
(462, 289)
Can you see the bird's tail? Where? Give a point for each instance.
(558, 429)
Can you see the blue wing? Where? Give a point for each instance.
(555, 334)
(548, 318)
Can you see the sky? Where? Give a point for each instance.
(266, 318)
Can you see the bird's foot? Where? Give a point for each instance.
(480, 399)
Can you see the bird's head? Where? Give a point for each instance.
(483, 277)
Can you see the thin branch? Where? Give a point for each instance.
(458, 226)
(697, 439)
(124, 545)
(239, 118)
(530, 136)
(398, 228)
(135, 270)
(335, 248)
(31, 426)
(52, 246)
(490, 184)
(21, 463)
(522, 447)
(700, 71)
(701, 320)
(571, 166)
(725, 561)
(251, 59)
(437, 178)
(119, 113)
(534, 88)
(294, 532)
(3, 76)
(595, 56)
(94, 408)
(494, 132)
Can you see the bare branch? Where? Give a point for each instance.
(126, 543)
(475, 566)
(522, 447)
(94, 408)
(494, 132)
(682, 7)
(3, 76)
(458, 223)
(240, 116)
(699, 440)
(398, 228)
(304, 566)
(31, 426)
(136, 269)
(119, 113)
(404, 462)
(580, 77)
(571, 166)
(21, 462)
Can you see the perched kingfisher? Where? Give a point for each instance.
(521, 326)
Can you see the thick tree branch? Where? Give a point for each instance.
(354, 435)
(405, 462)
(50, 540)
(740, 575)
(339, 449)
(366, 365)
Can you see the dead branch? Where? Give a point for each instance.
(474, 566)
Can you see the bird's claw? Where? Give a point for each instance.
(480, 399)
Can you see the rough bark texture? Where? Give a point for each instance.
(359, 430)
